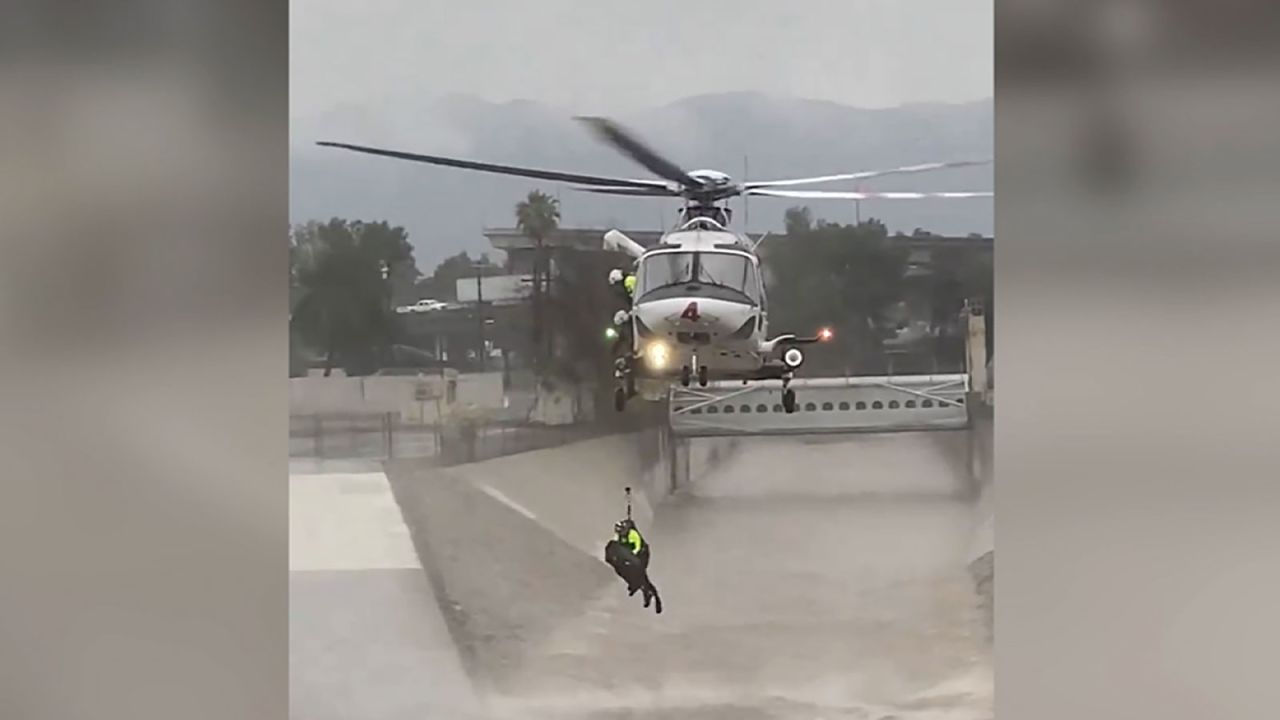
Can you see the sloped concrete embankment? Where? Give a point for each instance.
(514, 545)
(982, 552)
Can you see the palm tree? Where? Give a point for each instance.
(538, 216)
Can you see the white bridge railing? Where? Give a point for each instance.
(846, 404)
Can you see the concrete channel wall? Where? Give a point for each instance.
(982, 470)
(514, 545)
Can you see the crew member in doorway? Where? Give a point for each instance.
(624, 289)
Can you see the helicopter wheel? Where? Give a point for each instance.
(789, 400)
(620, 399)
(704, 375)
(686, 376)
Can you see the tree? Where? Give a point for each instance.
(579, 309)
(390, 246)
(443, 282)
(838, 276)
(538, 216)
(341, 300)
(961, 274)
(798, 220)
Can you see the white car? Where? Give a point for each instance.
(423, 305)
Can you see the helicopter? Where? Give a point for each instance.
(699, 310)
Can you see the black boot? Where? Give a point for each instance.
(651, 595)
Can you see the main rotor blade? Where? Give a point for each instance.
(615, 135)
(501, 169)
(647, 192)
(927, 167)
(839, 195)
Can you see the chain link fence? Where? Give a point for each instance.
(384, 436)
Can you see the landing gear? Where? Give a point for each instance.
(686, 376)
(788, 395)
(626, 387)
(704, 376)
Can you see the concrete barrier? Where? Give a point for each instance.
(982, 469)
(575, 491)
(515, 544)
(392, 393)
(708, 455)
(503, 582)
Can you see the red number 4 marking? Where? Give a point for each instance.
(690, 312)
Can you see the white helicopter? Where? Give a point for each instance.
(699, 308)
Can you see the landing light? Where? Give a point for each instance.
(658, 354)
(610, 334)
(825, 334)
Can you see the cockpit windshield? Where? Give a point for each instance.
(732, 271)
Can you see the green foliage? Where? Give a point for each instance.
(839, 276)
(797, 220)
(959, 275)
(390, 245)
(538, 216)
(579, 309)
(443, 282)
(853, 278)
(341, 300)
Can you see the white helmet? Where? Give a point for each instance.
(621, 317)
(615, 276)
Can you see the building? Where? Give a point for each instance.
(520, 249)
(455, 336)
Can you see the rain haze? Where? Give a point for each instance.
(622, 57)
(820, 519)
(813, 88)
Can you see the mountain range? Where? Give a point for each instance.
(743, 134)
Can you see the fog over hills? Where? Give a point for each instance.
(445, 209)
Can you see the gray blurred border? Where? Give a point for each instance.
(143, 529)
(1137, 252)
(144, 518)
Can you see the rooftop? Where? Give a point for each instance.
(508, 239)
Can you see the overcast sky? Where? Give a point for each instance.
(590, 56)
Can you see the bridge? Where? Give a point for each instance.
(852, 404)
(886, 403)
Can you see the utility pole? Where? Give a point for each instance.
(481, 354)
(391, 303)
(537, 306)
